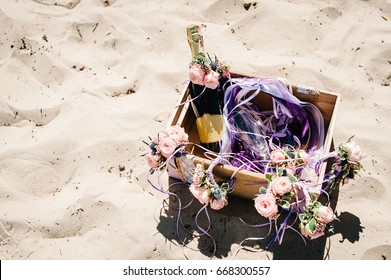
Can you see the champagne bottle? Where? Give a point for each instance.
(208, 103)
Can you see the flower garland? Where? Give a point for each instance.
(348, 164)
(167, 144)
(315, 219)
(206, 72)
(206, 192)
(288, 192)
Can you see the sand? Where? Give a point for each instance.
(83, 82)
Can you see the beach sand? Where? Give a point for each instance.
(83, 82)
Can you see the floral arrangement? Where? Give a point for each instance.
(347, 165)
(168, 144)
(207, 72)
(206, 192)
(285, 189)
(314, 220)
(288, 192)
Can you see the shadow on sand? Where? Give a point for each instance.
(229, 226)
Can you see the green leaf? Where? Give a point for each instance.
(292, 178)
(285, 204)
(316, 205)
(269, 177)
(302, 217)
(312, 225)
(313, 196)
(282, 171)
(224, 186)
(290, 195)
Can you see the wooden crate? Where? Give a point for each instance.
(247, 182)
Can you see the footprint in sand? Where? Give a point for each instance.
(82, 216)
(6, 44)
(42, 58)
(381, 252)
(6, 233)
(41, 171)
(366, 187)
(12, 116)
(79, 218)
(63, 3)
(331, 12)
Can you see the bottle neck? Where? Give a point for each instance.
(195, 39)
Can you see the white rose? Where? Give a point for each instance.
(354, 151)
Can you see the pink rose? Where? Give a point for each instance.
(197, 179)
(217, 204)
(211, 80)
(167, 146)
(281, 185)
(200, 193)
(303, 156)
(198, 174)
(305, 231)
(277, 156)
(197, 75)
(354, 151)
(178, 134)
(266, 205)
(325, 214)
(152, 161)
(199, 168)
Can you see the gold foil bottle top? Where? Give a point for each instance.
(195, 39)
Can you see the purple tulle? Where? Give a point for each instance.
(291, 121)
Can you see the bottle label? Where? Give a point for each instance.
(210, 128)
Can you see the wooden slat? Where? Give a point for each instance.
(247, 183)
